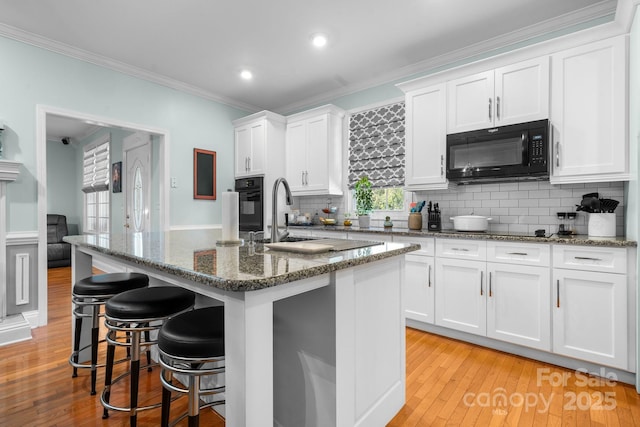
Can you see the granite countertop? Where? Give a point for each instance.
(195, 255)
(489, 235)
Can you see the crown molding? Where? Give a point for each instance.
(112, 64)
(596, 11)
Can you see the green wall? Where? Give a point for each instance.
(30, 76)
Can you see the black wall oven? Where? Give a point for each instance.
(514, 152)
(251, 199)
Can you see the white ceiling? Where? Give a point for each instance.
(200, 46)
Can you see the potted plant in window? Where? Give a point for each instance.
(364, 201)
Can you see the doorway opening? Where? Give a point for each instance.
(49, 117)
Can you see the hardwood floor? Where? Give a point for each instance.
(448, 383)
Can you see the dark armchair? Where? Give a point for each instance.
(58, 252)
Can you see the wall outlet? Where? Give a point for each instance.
(174, 182)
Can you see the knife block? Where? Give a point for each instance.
(434, 221)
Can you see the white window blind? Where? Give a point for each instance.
(95, 174)
(376, 146)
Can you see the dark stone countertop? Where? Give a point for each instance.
(195, 255)
(489, 235)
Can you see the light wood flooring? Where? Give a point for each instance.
(448, 383)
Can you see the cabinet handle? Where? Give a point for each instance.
(558, 293)
(587, 258)
(490, 287)
(517, 253)
(460, 249)
(429, 275)
(498, 107)
(489, 109)
(306, 177)
(558, 154)
(481, 277)
(302, 178)
(441, 164)
(249, 163)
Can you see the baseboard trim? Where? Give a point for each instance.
(14, 329)
(31, 317)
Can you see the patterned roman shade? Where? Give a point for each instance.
(376, 146)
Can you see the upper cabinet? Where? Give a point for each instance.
(426, 138)
(589, 113)
(314, 151)
(512, 94)
(258, 138)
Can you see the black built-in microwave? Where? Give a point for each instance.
(514, 152)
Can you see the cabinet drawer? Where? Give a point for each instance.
(427, 244)
(462, 249)
(609, 260)
(519, 253)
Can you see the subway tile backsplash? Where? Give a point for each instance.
(521, 207)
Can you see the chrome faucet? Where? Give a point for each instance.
(275, 235)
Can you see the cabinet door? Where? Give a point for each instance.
(471, 105)
(590, 316)
(258, 157)
(296, 155)
(461, 295)
(418, 295)
(518, 308)
(588, 112)
(522, 92)
(426, 137)
(243, 150)
(317, 169)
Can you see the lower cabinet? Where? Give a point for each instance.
(518, 308)
(590, 316)
(419, 292)
(460, 295)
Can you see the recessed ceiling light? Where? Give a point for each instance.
(319, 40)
(246, 74)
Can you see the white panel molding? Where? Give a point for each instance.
(22, 238)
(22, 279)
(112, 64)
(31, 317)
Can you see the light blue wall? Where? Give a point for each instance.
(30, 76)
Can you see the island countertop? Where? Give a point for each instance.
(195, 255)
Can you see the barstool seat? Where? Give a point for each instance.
(132, 313)
(191, 344)
(93, 292)
(110, 283)
(161, 301)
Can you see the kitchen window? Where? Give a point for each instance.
(376, 150)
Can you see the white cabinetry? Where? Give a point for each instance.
(259, 138)
(589, 113)
(518, 294)
(314, 152)
(419, 291)
(461, 285)
(590, 304)
(426, 138)
(512, 94)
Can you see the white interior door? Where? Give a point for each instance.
(137, 179)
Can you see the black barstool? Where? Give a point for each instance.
(191, 344)
(131, 313)
(93, 292)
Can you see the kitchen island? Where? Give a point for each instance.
(309, 339)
